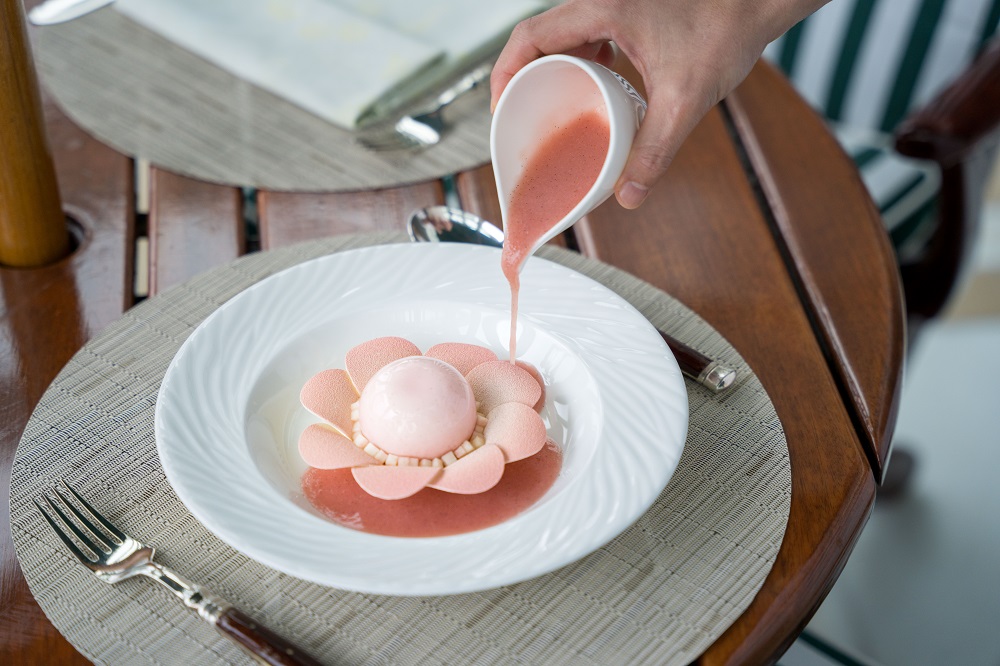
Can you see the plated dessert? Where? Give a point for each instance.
(229, 417)
(408, 437)
(420, 444)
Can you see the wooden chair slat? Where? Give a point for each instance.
(289, 217)
(193, 226)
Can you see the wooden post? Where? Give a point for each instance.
(33, 229)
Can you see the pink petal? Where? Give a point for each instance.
(369, 357)
(463, 357)
(391, 482)
(497, 382)
(475, 473)
(533, 371)
(329, 395)
(517, 429)
(323, 447)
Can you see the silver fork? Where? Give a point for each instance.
(426, 126)
(114, 556)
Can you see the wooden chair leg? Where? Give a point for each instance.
(899, 474)
(33, 229)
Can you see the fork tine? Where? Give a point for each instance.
(114, 531)
(99, 539)
(61, 532)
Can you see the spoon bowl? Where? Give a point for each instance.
(438, 224)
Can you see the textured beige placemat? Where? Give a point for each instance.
(147, 97)
(660, 593)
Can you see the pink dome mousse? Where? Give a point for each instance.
(419, 407)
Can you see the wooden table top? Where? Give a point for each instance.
(762, 226)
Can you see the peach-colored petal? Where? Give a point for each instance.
(497, 382)
(369, 357)
(464, 357)
(329, 395)
(475, 473)
(392, 483)
(517, 429)
(323, 447)
(533, 371)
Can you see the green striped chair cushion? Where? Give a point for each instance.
(864, 64)
(905, 190)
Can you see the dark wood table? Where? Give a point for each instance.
(762, 226)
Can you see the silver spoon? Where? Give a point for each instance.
(441, 224)
(60, 11)
(452, 225)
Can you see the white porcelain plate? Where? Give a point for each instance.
(228, 417)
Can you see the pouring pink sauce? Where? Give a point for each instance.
(559, 173)
(556, 177)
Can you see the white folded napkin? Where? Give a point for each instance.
(462, 28)
(467, 31)
(343, 60)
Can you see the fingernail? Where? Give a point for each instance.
(632, 194)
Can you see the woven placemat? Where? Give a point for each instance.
(659, 593)
(148, 97)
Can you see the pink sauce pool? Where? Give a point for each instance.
(556, 177)
(432, 513)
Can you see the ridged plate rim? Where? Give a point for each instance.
(202, 445)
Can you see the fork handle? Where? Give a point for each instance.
(263, 643)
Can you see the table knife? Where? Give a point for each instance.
(708, 372)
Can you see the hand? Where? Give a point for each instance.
(690, 54)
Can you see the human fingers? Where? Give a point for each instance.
(603, 53)
(562, 29)
(663, 130)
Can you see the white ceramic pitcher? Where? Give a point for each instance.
(546, 92)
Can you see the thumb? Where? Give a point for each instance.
(656, 143)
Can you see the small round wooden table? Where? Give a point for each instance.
(762, 226)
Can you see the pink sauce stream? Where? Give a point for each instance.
(556, 177)
(433, 513)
